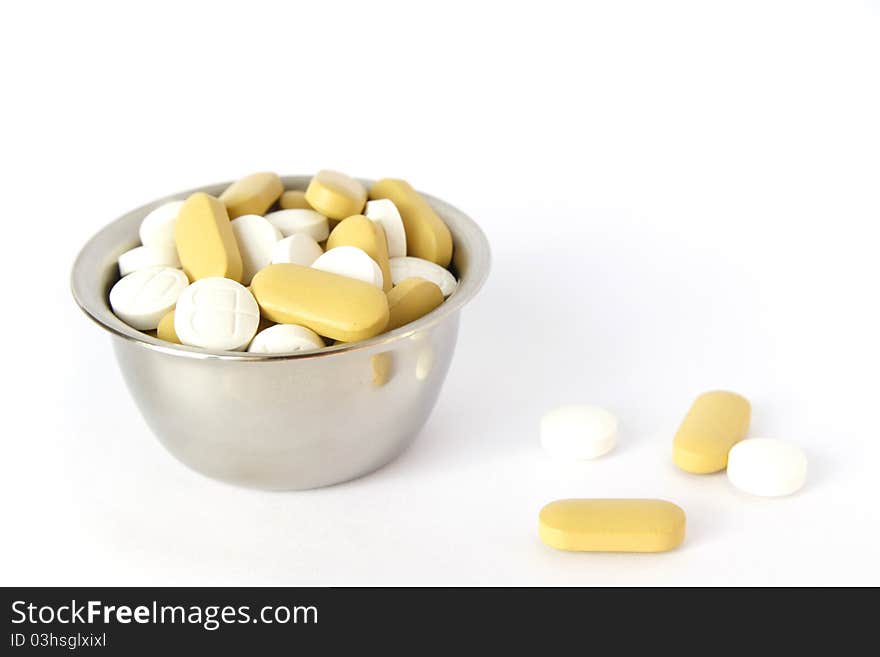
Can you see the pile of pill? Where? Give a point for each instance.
(269, 270)
(711, 438)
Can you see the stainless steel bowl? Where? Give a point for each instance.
(290, 421)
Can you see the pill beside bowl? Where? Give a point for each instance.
(268, 270)
(711, 438)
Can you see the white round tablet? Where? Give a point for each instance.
(157, 228)
(407, 267)
(298, 220)
(766, 467)
(352, 262)
(256, 239)
(144, 297)
(384, 212)
(142, 257)
(299, 249)
(216, 313)
(578, 432)
(285, 338)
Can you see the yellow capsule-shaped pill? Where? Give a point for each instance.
(204, 239)
(715, 422)
(331, 305)
(410, 299)
(165, 330)
(335, 195)
(427, 236)
(612, 525)
(366, 235)
(253, 194)
(294, 199)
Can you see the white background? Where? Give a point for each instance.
(679, 197)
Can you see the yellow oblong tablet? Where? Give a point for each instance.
(716, 421)
(335, 195)
(294, 199)
(612, 525)
(366, 235)
(165, 330)
(427, 236)
(333, 306)
(410, 299)
(253, 194)
(204, 239)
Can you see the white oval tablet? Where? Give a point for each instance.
(352, 262)
(299, 249)
(407, 267)
(298, 220)
(144, 297)
(142, 257)
(285, 338)
(216, 313)
(256, 239)
(385, 213)
(157, 228)
(578, 432)
(766, 467)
